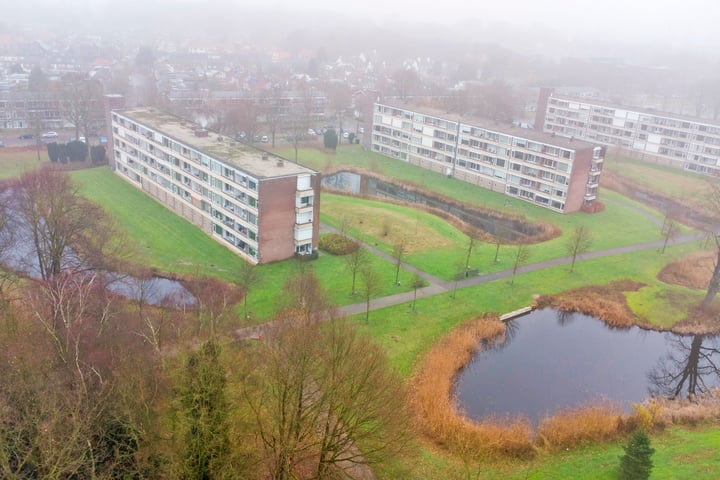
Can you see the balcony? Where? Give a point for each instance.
(304, 208)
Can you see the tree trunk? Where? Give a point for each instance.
(714, 284)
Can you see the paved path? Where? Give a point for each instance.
(437, 286)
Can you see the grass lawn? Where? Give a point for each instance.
(171, 244)
(14, 162)
(670, 181)
(437, 247)
(680, 453)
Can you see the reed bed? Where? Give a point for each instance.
(436, 414)
(606, 302)
(591, 423)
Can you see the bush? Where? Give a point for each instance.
(337, 244)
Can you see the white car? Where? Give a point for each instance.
(50, 135)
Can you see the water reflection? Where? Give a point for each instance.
(690, 368)
(550, 361)
(150, 290)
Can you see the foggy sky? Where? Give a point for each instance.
(667, 23)
(691, 22)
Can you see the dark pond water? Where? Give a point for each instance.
(21, 256)
(553, 360)
(360, 184)
(152, 290)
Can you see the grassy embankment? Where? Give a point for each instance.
(676, 183)
(172, 245)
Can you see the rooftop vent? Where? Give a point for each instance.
(265, 156)
(201, 132)
(219, 138)
(280, 162)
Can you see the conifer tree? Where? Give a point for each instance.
(637, 463)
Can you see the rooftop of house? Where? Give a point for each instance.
(254, 161)
(495, 126)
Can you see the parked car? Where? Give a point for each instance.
(26, 136)
(81, 139)
(50, 135)
(264, 139)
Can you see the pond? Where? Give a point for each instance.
(511, 228)
(552, 360)
(22, 257)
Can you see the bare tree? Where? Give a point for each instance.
(670, 228)
(578, 243)
(472, 241)
(328, 399)
(300, 113)
(354, 262)
(248, 275)
(418, 282)
(713, 203)
(500, 235)
(272, 110)
(214, 302)
(82, 104)
(344, 225)
(61, 229)
(364, 418)
(371, 286)
(522, 254)
(398, 252)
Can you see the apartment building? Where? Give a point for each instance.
(682, 142)
(22, 110)
(260, 205)
(557, 173)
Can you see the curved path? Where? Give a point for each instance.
(437, 285)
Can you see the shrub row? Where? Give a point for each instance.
(337, 244)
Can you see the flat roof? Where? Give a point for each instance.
(235, 154)
(486, 124)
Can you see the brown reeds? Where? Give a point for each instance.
(437, 417)
(606, 302)
(692, 271)
(435, 411)
(594, 422)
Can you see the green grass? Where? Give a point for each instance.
(620, 224)
(13, 163)
(674, 182)
(171, 244)
(680, 453)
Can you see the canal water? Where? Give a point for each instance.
(512, 229)
(552, 360)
